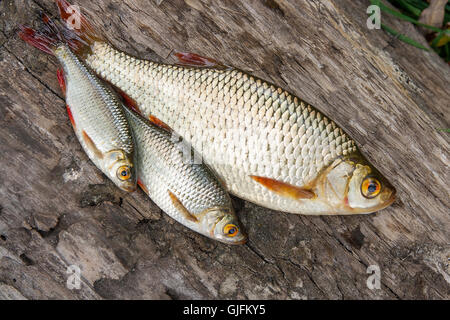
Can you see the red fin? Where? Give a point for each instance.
(44, 42)
(143, 187)
(181, 208)
(192, 59)
(129, 102)
(62, 82)
(91, 145)
(79, 28)
(69, 112)
(50, 36)
(159, 123)
(284, 189)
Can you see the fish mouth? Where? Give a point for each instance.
(390, 201)
(243, 241)
(376, 208)
(383, 205)
(131, 188)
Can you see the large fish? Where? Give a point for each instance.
(95, 111)
(268, 146)
(188, 192)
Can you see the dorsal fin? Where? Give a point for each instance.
(193, 59)
(159, 123)
(128, 101)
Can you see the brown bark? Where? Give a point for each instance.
(57, 209)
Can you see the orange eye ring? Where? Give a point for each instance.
(124, 173)
(231, 230)
(370, 187)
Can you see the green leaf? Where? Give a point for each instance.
(441, 39)
(399, 15)
(447, 52)
(404, 38)
(409, 7)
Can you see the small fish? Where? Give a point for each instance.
(188, 192)
(95, 112)
(267, 145)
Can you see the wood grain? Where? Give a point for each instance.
(57, 209)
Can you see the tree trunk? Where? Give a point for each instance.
(58, 211)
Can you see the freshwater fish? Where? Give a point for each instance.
(267, 146)
(96, 113)
(188, 192)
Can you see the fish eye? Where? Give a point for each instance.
(124, 173)
(231, 230)
(370, 187)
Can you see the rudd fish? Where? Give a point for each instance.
(94, 110)
(188, 192)
(268, 146)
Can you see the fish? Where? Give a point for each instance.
(187, 191)
(268, 146)
(95, 111)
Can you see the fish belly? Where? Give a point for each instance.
(241, 126)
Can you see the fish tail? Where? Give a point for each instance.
(47, 39)
(49, 36)
(78, 28)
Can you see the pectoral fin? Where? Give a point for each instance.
(91, 145)
(181, 208)
(284, 189)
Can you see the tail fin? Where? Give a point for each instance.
(50, 36)
(46, 40)
(79, 28)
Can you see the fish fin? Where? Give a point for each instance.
(50, 36)
(181, 208)
(91, 145)
(69, 113)
(142, 185)
(193, 59)
(129, 102)
(61, 80)
(44, 42)
(79, 30)
(159, 123)
(284, 189)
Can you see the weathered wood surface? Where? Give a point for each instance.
(58, 210)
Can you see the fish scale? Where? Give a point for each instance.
(162, 164)
(85, 91)
(94, 110)
(191, 100)
(163, 169)
(267, 145)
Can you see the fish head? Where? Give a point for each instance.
(121, 170)
(223, 225)
(352, 186)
